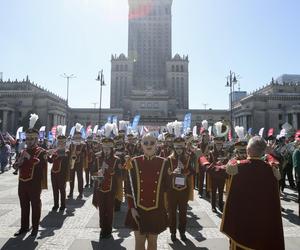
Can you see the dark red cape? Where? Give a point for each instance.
(252, 215)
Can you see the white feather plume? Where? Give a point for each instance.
(64, 129)
(240, 131)
(59, 130)
(195, 131)
(177, 128)
(78, 127)
(218, 127)
(123, 125)
(95, 129)
(160, 137)
(205, 124)
(170, 127)
(108, 128)
(115, 129)
(32, 120)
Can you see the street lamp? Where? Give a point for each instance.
(100, 78)
(68, 77)
(231, 81)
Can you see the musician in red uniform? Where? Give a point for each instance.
(32, 165)
(167, 148)
(78, 158)
(130, 146)
(90, 161)
(145, 188)
(60, 172)
(252, 214)
(180, 187)
(217, 172)
(205, 149)
(121, 154)
(105, 177)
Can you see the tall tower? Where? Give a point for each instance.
(150, 41)
(150, 81)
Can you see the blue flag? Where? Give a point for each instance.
(115, 119)
(135, 122)
(187, 122)
(109, 118)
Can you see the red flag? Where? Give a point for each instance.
(229, 135)
(270, 132)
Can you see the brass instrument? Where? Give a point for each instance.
(73, 155)
(99, 175)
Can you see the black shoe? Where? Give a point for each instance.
(54, 208)
(70, 196)
(21, 231)
(34, 232)
(86, 185)
(221, 206)
(79, 197)
(214, 210)
(104, 235)
(62, 208)
(183, 237)
(173, 237)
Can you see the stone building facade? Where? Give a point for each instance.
(150, 81)
(17, 98)
(271, 106)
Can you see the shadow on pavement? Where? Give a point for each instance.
(110, 244)
(193, 227)
(291, 217)
(51, 222)
(20, 243)
(188, 245)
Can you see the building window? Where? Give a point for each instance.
(117, 67)
(290, 118)
(280, 117)
(177, 68)
(279, 106)
(181, 68)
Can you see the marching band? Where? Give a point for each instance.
(156, 177)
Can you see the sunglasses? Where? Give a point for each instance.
(149, 143)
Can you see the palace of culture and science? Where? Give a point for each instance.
(153, 82)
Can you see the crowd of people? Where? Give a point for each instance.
(157, 177)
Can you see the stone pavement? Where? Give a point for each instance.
(78, 227)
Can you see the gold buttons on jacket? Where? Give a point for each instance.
(157, 172)
(140, 171)
(142, 199)
(155, 182)
(153, 201)
(142, 181)
(142, 190)
(154, 191)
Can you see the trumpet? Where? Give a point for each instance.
(99, 176)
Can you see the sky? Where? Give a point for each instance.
(43, 39)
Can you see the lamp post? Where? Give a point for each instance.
(100, 78)
(231, 80)
(68, 77)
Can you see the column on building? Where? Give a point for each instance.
(4, 120)
(295, 121)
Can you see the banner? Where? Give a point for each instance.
(109, 118)
(83, 133)
(43, 129)
(187, 123)
(135, 122)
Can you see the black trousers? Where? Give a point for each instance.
(288, 171)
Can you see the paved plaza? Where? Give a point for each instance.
(78, 227)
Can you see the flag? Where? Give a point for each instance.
(72, 131)
(135, 122)
(20, 130)
(109, 118)
(250, 131)
(53, 131)
(261, 132)
(270, 132)
(115, 119)
(187, 123)
(229, 135)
